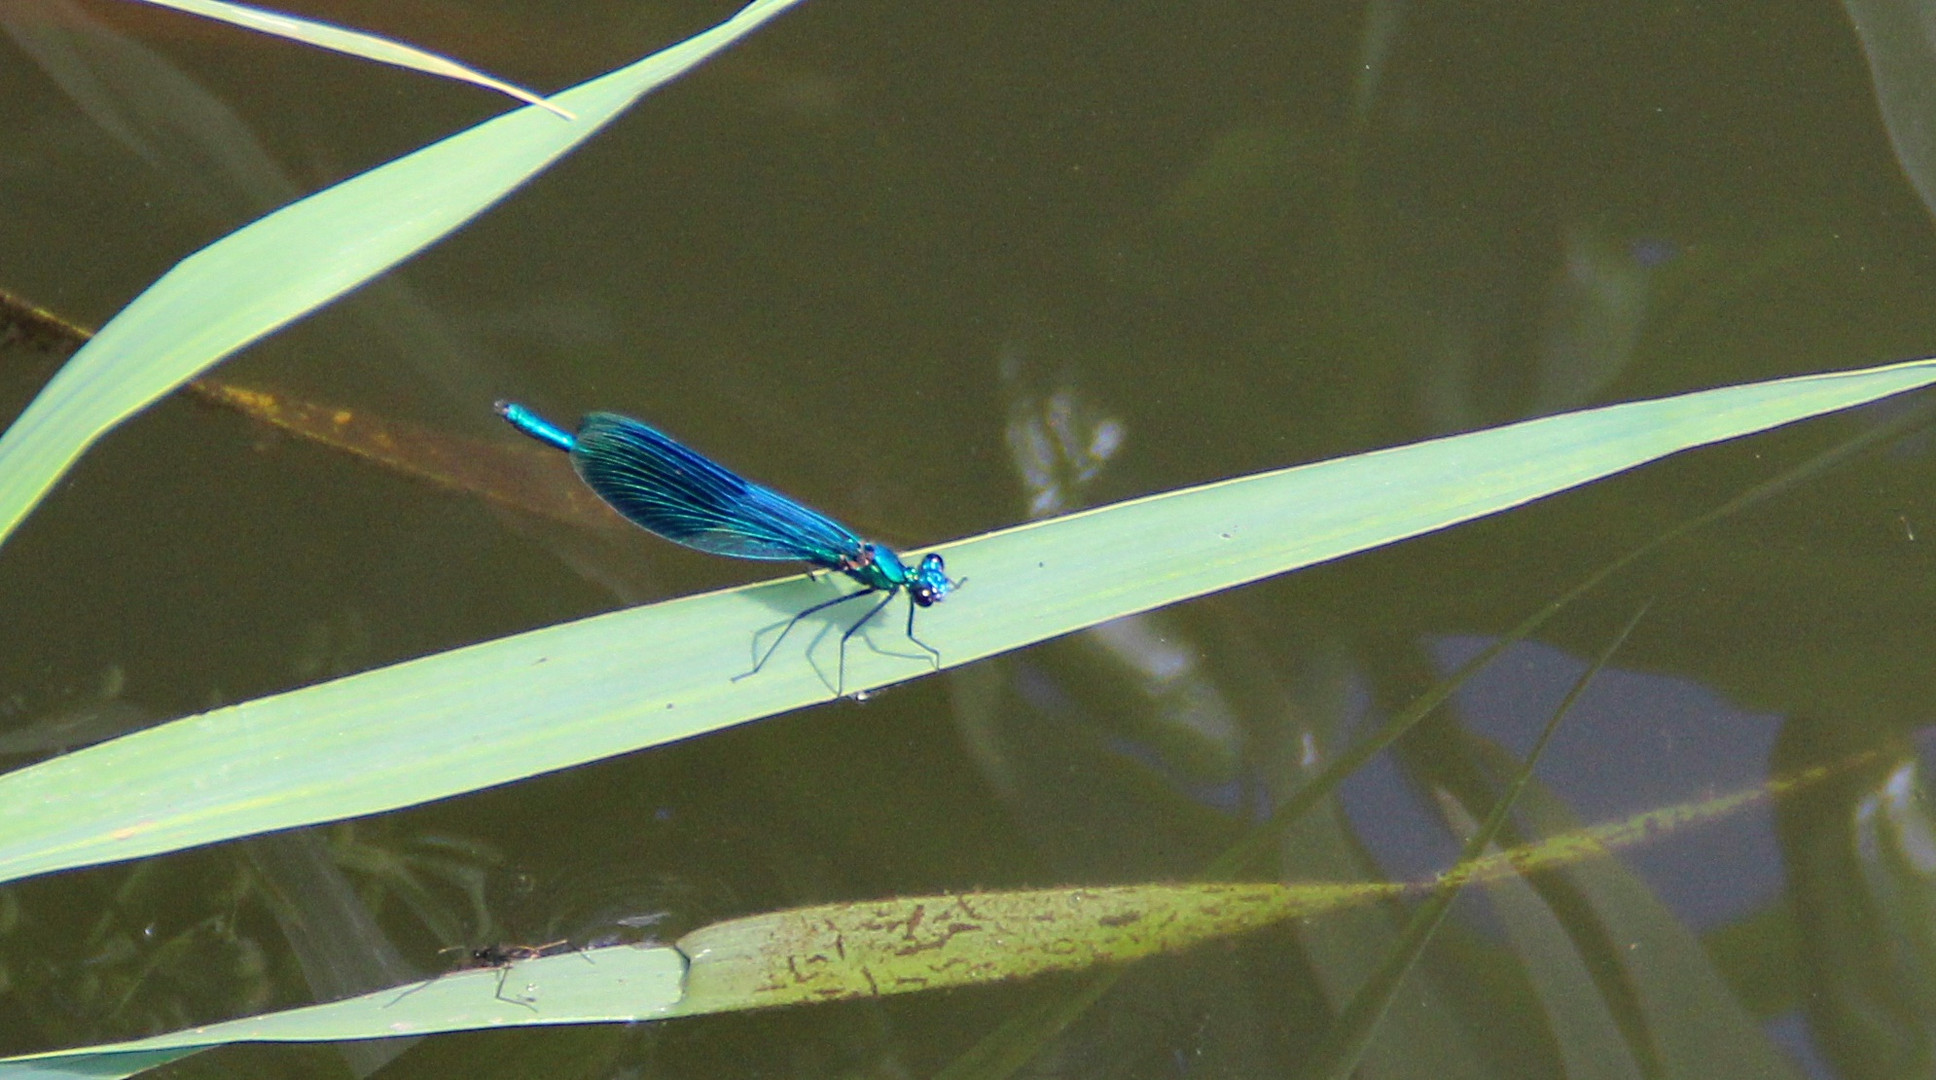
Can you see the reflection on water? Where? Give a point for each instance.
(102, 716)
(1601, 302)
(1060, 440)
(1899, 41)
(1860, 854)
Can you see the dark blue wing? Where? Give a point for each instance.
(676, 492)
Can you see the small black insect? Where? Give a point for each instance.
(499, 958)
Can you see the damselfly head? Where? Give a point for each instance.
(931, 584)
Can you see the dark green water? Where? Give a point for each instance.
(873, 257)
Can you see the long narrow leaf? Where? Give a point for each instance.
(323, 35)
(553, 698)
(305, 255)
(570, 988)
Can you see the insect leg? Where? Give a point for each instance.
(793, 622)
(503, 973)
(840, 689)
(933, 652)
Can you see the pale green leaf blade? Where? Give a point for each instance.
(301, 257)
(617, 984)
(340, 39)
(561, 696)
